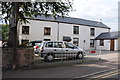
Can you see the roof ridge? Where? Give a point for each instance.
(83, 19)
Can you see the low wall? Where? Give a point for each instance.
(24, 57)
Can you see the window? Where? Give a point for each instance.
(76, 41)
(24, 42)
(75, 29)
(68, 45)
(92, 31)
(25, 29)
(47, 31)
(49, 44)
(30, 45)
(101, 42)
(37, 44)
(92, 42)
(58, 44)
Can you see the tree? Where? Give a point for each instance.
(4, 31)
(18, 11)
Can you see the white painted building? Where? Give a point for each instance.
(78, 31)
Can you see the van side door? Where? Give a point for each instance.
(70, 50)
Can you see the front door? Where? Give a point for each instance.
(112, 45)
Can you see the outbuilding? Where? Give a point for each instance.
(109, 41)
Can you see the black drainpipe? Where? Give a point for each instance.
(58, 32)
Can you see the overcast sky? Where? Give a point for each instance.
(107, 10)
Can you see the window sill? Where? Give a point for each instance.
(92, 36)
(91, 46)
(47, 35)
(25, 34)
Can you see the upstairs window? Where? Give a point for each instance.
(101, 42)
(75, 29)
(92, 31)
(25, 29)
(47, 31)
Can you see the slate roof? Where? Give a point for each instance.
(71, 20)
(108, 35)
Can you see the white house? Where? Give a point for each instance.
(80, 32)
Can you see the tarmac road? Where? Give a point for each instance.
(75, 71)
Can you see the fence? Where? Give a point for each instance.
(93, 54)
(61, 58)
(58, 58)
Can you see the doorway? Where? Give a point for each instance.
(112, 45)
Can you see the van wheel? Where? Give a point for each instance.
(80, 55)
(49, 58)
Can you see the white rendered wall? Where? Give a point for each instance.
(116, 44)
(36, 32)
(106, 45)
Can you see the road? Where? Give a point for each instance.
(106, 68)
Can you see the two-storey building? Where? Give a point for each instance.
(80, 32)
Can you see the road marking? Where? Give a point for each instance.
(110, 75)
(95, 73)
(105, 74)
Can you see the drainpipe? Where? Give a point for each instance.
(58, 32)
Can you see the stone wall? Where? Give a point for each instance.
(24, 57)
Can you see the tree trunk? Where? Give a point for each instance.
(13, 38)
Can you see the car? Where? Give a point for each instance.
(35, 44)
(50, 50)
